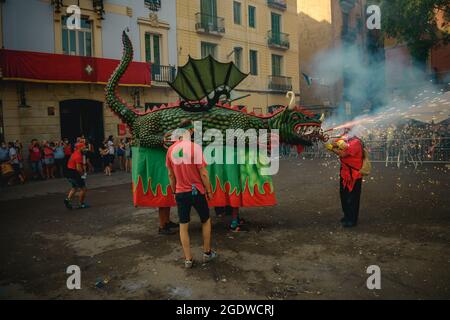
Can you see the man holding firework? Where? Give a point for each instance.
(350, 151)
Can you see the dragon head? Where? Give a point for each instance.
(297, 126)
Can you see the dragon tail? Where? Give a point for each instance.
(113, 99)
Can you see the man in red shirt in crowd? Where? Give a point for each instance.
(190, 183)
(76, 174)
(35, 154)
(350, 152)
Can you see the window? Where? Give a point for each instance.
(209, 49)
(208, 7)
(77, 42)
(238, 57)
(277, 62)
(153, 48)
(237, 12)
(253, 62)
(276, 23)
(252, 16)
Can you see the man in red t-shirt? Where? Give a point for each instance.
(350, 152)
(190, 183)
(76, 174)
(35, 154)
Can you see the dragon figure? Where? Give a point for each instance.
(202, 84)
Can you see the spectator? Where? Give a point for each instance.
(49, 159)
(4, 153)
(112, 151)
(106, 159)
(59, 158)
(14, 160)
(67, 152)
(35, 159)
(190, 183)
(89, 156)
(121, 155)
(127, 155)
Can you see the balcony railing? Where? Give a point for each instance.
(206, 23)
(277, 4)
(163, 73)
(278, 40)
(280, 83)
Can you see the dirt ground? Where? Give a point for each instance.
(296, 250)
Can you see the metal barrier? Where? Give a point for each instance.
(415, 151)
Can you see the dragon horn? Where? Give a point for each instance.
(113, 100)
(322, 117)
(290, 95)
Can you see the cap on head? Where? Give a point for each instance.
(186, 124)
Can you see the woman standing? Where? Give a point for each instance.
(49, 160)
(59, 158)
(14, 160)
(121, 155)
(104, 153)
(127, 155)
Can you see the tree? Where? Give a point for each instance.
(415, 23)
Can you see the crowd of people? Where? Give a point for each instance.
(421, 141)
(43, 160)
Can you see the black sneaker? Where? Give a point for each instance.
(348, 224)
(166, 231)
(173, 225)
(68, 204)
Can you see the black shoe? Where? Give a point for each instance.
(172, 225)
(166, 231)
(68, 204)
(348, 224)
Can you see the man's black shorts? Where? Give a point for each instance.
(75, 179)
(185, 201)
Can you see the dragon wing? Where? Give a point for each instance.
(207, 77)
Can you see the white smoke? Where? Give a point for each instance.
(413, 96)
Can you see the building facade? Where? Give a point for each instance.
(326, 25)
(48, 109)
(259, 36)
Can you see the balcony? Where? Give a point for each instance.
(209, 24)
(277, 4)
(278, 40)
(280, 83)
(163, 74)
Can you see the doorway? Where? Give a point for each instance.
(82, 117)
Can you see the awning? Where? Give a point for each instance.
(60, 68)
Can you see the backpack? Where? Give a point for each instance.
(367, 164)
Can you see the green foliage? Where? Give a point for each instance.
(414, 23)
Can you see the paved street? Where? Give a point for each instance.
(296, 250)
